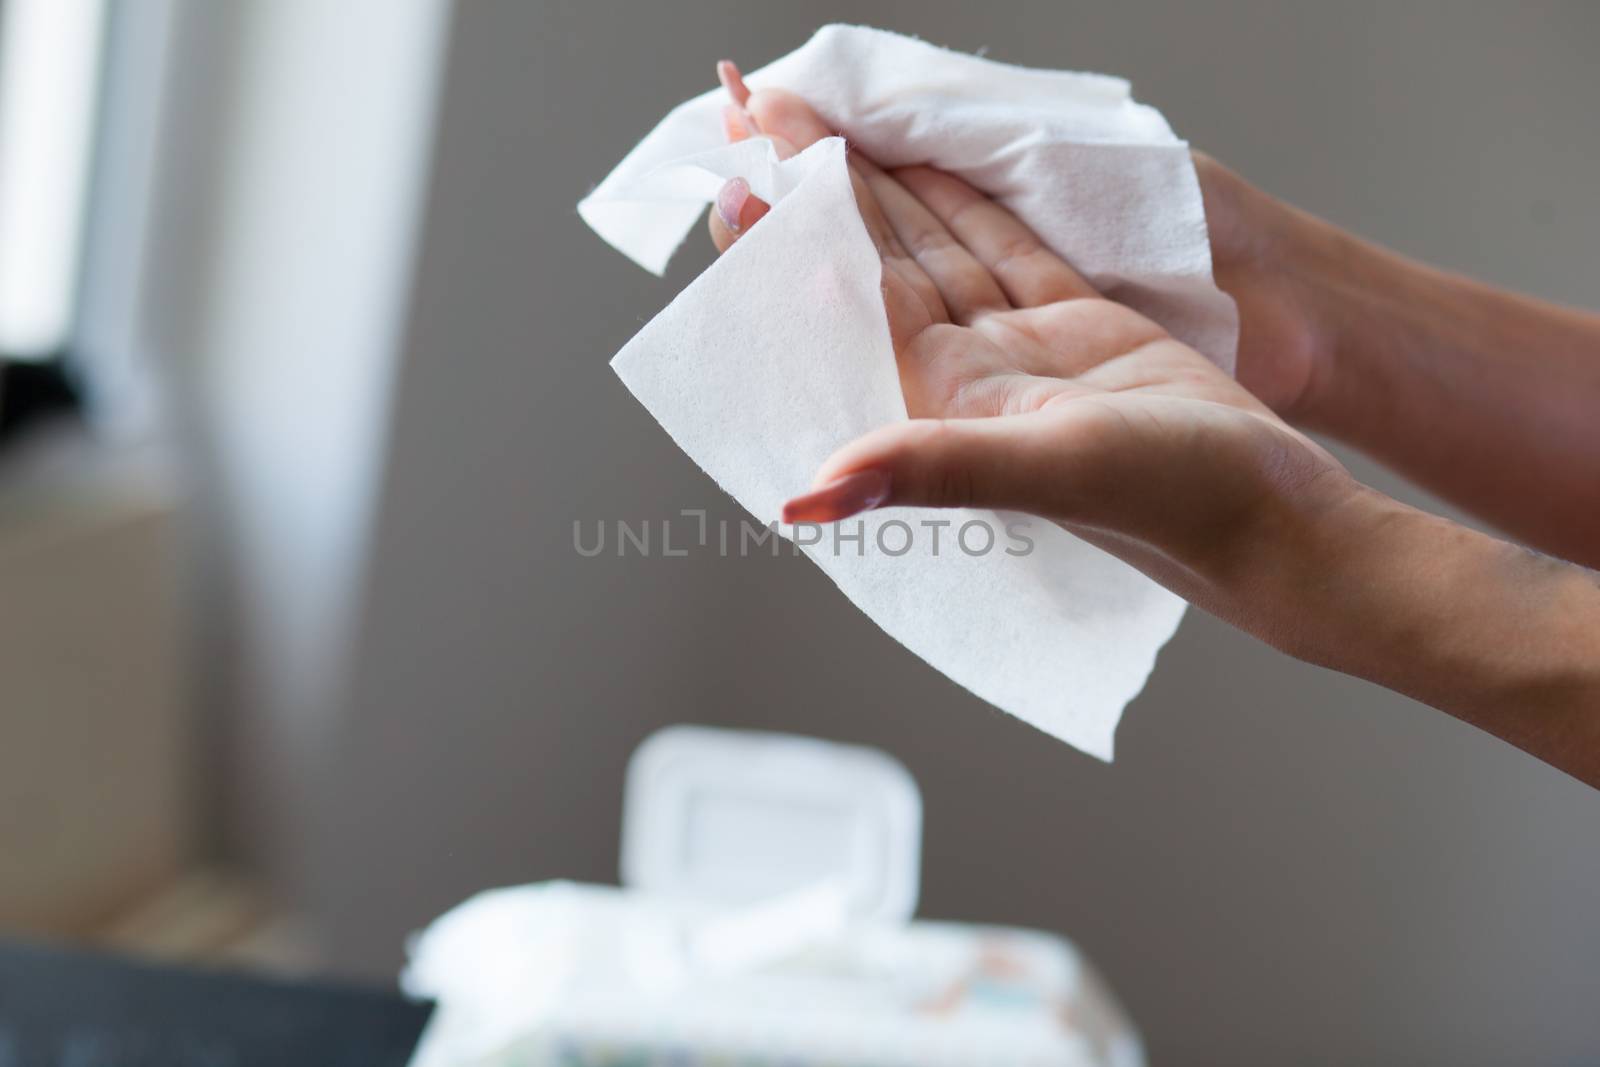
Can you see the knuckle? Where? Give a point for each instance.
(929, 241)
(1016, 249)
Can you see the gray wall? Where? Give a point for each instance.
(1283, 864)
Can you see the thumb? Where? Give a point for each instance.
(1010, 462)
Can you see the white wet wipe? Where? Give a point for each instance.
(779, 353)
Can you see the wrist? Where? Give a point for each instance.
(1367, 312)
(1493, 634)
(1301, 545)
(1331, 573)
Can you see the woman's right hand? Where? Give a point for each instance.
(1029, 391)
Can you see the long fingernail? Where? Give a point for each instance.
(738, 124)
(840, 499)
(730, 202)
(733, 81)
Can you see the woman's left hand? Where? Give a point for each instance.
(1029, 391)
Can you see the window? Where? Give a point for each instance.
(50, 64)
(49, 87)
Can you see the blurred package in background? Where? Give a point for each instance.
(765, 917)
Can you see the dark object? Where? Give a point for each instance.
(30, 392)
(75, 1009)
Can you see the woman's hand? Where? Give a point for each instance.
(1029, 391)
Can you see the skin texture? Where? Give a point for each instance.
(1029, 391)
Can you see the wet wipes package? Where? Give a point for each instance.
(765, 917)
(780, 353)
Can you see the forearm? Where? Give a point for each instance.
(1487, 398)
(1493, 634)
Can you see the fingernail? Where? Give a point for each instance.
(728, 74)
(730, 202)
(840, 499)
(738, 124)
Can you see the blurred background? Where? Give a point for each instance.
(304, 386)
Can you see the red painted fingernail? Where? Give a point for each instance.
(840, 498)
(738, 124)
(733, 81)
(730, 202)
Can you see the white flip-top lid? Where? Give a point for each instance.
(733, 817)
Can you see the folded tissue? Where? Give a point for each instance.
(779, 353)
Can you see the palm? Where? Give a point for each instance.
(1096, 380)
(1029, 359)
(1001, 343)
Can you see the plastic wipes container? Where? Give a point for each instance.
(765, 920)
